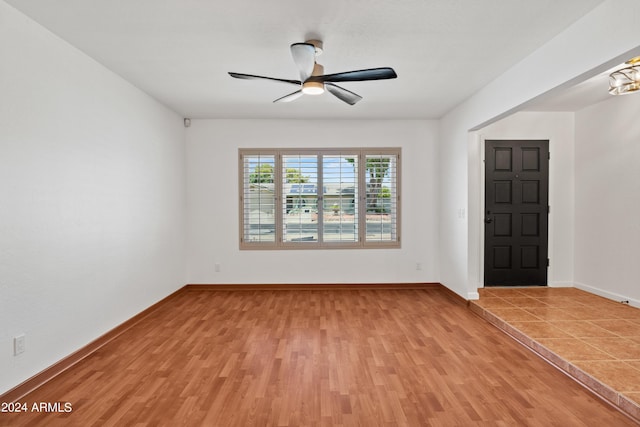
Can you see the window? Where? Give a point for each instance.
(319, 198)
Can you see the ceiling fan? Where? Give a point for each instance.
(313, 81)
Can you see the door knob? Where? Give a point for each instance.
(488, 219)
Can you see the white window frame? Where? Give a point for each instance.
(363, 241)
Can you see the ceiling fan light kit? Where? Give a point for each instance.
(626, 80)
(313, 81)
(314, 88)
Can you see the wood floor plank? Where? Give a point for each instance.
(382, 357)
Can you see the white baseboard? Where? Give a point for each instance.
(560, 284)
(609, 295)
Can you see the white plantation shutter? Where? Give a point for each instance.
(258, 198)
(300, 198)
(381, 197)
(340, 197)
(319, 198)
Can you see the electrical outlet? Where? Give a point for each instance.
(216, 267)
(18, 345)
(418, 266)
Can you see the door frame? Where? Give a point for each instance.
(481, 139)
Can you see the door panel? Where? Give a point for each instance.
(516, 212)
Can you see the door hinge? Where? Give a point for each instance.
(548, 262)
(549, 155)
(548, 209)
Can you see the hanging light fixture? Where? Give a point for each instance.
(626, 80)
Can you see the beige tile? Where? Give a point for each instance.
(514, 315)
(553, 292)
(485, 292)
(618, 347)
(579, 328)
(609, 314)
(635, 339)
(539, 330)
(561, 301)
(618, 375)
(550, 313)
(634, 363)
(494, 302)
(618, 311)
(621, 327)
(628, 312)
(573, 349)
(503, 292)
(595, 301)
(586, 313)
(583, 334)
(526, 302)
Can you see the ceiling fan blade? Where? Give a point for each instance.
(357, 76)
(342, 93)
(252, 77)
(292, 96)
(304, 55)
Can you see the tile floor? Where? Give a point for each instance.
(593, 339)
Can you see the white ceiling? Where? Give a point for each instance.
(575, 97)
(179, 51)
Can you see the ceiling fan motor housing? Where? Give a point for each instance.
(317, 44)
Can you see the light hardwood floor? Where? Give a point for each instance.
(316, 358)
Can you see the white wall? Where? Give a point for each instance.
(558, 128)
(607, 224)
(92, 199)
(576, 54)
(453, 207)
(213, 236)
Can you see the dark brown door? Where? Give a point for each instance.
(516, 213)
